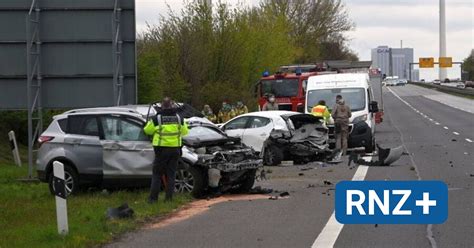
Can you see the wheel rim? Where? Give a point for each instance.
(68, 183)
(184, 181)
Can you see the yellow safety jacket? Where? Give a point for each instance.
(321, 111)
(167, 130)
(224, 116)
(241, 111)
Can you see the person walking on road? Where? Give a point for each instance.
(271, 104)
(341, 114)
(209, 114)
(167, 129)
(321, 110)
(241, 109)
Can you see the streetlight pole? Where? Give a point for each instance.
(442, 37)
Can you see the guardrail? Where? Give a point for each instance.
(446, 89)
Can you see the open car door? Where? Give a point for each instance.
(127, 151)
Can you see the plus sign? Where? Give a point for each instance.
(426, 203)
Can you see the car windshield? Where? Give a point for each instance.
(280, 87)
(354, 97)
(204, 133)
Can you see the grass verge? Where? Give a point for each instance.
(28, 215)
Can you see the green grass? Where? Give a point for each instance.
(28, 215)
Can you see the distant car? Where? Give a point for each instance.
(401, 82)
(437, 82)
(106, 147)
(279, 135)
(469, 84)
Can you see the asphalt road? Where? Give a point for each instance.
(437, 137)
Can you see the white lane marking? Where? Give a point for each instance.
(437, 123)
(455, 133)
(431, 120)
(332, 229)
(468, 140)
(445, 127)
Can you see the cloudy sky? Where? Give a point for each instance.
(379, 22)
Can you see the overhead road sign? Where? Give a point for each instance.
(445, 62)
(426, 62)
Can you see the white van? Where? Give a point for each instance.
(356, 91)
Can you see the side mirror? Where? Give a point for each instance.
(373, 107)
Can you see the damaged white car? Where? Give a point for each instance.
(282, 135)
(106, 147)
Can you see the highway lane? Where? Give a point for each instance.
(434, 156)
(299, 220)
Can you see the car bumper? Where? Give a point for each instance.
(361, 135)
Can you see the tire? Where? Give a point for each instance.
(189, 179)
(248, 182)
(272, 156)
(371, 147)
(71, 179)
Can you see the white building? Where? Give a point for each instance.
(399, 64)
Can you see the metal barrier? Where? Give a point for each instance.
(446, 89)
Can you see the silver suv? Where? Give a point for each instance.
(106, 147)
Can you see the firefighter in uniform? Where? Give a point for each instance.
(209, 114)
(167, 129)
(321, 110)
(226, 113)
(241, 109)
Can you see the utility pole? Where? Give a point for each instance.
(442, 37)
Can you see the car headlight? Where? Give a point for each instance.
(360, 119)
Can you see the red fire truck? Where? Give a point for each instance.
(288, 86)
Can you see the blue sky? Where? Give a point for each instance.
(379, 22)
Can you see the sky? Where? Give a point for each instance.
(379, 22)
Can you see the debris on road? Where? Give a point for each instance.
(311, 186)
(300, 174)
(273, 197)
(386, 156)
(327, 182)
(124, 211)
(306, 168)
(260, 190)
(283, 194)
(454, 140)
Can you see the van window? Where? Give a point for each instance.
(354, 97)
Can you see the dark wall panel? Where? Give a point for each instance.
(76, 52)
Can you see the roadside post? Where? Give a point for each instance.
(14, 147)
(60, 192)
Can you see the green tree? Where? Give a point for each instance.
(468, 66)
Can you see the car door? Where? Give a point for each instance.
(127, 151)
(257, 132)
(236, 127)
(82, 144)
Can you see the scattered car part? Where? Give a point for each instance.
(123, 211)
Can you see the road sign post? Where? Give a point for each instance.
(14, 147)
(60, 192)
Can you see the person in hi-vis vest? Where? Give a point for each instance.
(167, 129)
(321, 110)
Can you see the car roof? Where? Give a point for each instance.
(340, 80)
(270, 114)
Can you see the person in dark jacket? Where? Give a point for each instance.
(167, 129)
(341, 113)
